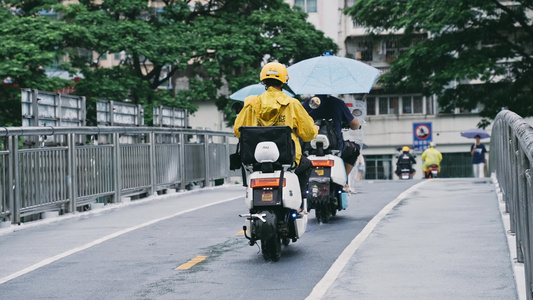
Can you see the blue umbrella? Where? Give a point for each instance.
(472, 132)
(329, 74)
(253, 89)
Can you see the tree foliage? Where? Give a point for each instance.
(215, 44)
(478, 41)
(27, 45)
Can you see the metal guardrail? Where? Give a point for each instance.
(112, 163)
(511, 161)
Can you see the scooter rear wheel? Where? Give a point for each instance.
(323, 213)
(271, 248)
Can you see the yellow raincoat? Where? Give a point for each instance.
(274, 108)
(431, 156)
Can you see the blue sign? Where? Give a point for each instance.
(422, 136)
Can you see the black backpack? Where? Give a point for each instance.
(327, 128)
(280, 135)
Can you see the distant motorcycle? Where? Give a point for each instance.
(432, 171)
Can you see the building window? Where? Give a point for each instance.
(394, 105)
(86, 55)
(309, 6)
(412, 105)
(430, 110)
(388, 105)
(383, 105)
(104, 56)
(370, 106)
(378, 167)
(117, 56)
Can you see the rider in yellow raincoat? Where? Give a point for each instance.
(431, 156)
(274, 108)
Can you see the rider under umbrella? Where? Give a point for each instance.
(328, 107)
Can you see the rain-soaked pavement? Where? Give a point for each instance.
(436, 239)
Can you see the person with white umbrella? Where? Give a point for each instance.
(332, 108)
(478, 151)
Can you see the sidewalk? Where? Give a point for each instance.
(444, 239)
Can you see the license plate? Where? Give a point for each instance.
(319, 172)
(267, 196)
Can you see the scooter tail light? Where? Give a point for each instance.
(266, 182)
(323, 163)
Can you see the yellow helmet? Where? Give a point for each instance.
(405, 149)
(275, 70)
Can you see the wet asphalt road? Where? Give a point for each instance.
(132, 251)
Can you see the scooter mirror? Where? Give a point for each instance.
(236, 107)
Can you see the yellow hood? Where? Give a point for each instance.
(268, 108)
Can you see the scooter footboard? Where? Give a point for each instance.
(300, 225)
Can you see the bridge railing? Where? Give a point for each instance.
(95, 163)
(511, 161)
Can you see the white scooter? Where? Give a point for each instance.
(324, 191)
(273, 194)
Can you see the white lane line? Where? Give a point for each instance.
(334, 271)
(52, 259)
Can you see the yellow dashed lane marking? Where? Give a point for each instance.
(240, 232)
(191, 262)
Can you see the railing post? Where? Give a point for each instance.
(16, 182)
(522, 225)
(528, 255)
(117, 172)
(207, 159)
(182, 160)
(227, 171)
(11, 180)
(71, 176)
(153, 183)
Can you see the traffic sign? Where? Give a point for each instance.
(422, 136)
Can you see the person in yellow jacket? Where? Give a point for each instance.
(431, 156)
(275, 108)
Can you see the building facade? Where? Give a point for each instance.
(392, 120)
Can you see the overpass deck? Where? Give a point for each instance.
(434, 239)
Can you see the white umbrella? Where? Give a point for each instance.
(329, 74)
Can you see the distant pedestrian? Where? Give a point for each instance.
(478, 151)
(361, 168)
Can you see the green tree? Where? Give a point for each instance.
(214, 44)
(482, 41)
(27, 44)
(218, 43)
